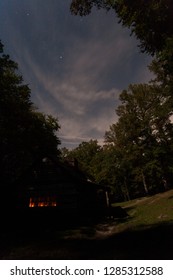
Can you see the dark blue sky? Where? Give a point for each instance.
(75, 67)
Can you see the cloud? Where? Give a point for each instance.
(76, 67)
(83, 113)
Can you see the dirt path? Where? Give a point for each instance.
(99, 241)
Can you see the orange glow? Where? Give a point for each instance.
(49, 201)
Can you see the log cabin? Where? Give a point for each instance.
(50, 185)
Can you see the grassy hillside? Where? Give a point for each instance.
(148, 211)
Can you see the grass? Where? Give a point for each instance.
(145, 234)
(148, 211)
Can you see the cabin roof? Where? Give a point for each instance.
(50, 173)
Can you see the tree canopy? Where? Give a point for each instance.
(143, 135)
(149, 20)
(25, 133)
(85, 155)
(136, 158)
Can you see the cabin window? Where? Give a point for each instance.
(43, 201)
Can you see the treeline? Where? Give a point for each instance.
(25, 133)
(137, 157)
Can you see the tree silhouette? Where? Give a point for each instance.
(25, 133)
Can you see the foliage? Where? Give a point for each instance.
(149, 20)
(84, 154)
(143, 137)
(26, 134)
(137, 157)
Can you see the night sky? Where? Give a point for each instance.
(75, 67)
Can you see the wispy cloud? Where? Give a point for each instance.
(75, 67)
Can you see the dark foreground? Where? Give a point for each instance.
(40, 239)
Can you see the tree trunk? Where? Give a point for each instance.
(144, 183)
(107, 200)
(165, 184)
(126, 191)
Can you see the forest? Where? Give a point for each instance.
(137, 156)
(25, 133)
(135, 163)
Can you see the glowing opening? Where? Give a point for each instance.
(48, 201)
